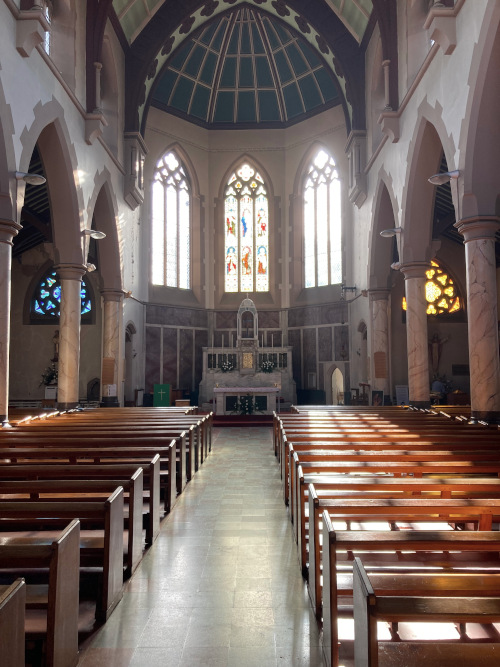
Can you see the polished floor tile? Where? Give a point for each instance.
(221, 586)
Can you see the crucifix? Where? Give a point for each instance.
(160, 394)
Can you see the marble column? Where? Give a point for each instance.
(482, 316)
(111, 346)
(416, 333)
(379, 311)
(70, 276)
(8, 229)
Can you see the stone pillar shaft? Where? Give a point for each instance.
(111, 344)
(416, 333)
(8, 229)
(69, 335)
(379, 310)
(482, 317)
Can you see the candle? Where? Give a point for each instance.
(272, 341)
(222, 340)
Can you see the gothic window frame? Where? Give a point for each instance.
(322, 241)
(166, 228)
(36, 300)
(246, 258)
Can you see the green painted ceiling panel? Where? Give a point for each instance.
(310, 92)
(246, 73)
(192, 66)
(201, 99)
(182, 94)
(268, 106)
(208, 71)
(228, 78)
(246, 107)
(284, 71)
(224, 109)
(263, 70)
(292, 99)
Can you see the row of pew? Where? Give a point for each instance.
(395, 513)
(82, 495)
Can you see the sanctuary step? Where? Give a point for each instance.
(243, 420)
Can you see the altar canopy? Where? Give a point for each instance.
(247, 368)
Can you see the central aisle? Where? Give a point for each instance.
(221, 586)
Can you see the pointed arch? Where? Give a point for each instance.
(102, 211)
(382, 250)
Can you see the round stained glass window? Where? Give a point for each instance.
(440, 292)
(47, 298)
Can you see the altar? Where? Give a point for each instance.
(228, 399)
(246, 369)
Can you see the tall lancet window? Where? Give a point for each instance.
(322, 223)
(246, 232)
(171, 233)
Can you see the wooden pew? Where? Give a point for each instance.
(12, 610)
(73, 491)
(429, 548)
(103, 550)
(113, 455)
(409, 604)
(104, 471)
(59, 598)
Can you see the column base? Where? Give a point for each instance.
(66, 406)
(4, 421)
(110, 402)
(485, 416)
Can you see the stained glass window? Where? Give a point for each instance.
(171, 227)
(322, 223)
(440, 292)
(46, 301)
(246, 232)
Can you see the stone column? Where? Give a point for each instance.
(111, 346)
(416, 333)
(8, 229)
(70, 276)
(482, 317)
(379, 310)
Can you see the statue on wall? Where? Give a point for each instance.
(435, 350)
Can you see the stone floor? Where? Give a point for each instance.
(221, 586)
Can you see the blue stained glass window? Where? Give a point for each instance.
(47, 297)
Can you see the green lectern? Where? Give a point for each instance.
(161, 397)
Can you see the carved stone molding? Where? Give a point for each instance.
(441, 28)
(30, 30)
(135, 156)
(356, 153)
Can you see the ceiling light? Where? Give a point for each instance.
(31, 179)
(445, 177)
(387, 233)
(94, 234)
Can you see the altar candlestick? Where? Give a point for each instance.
(272, 341)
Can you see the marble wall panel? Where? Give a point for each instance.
(184, 317)
(153, 358)
(309, 339)
(341, 342)
(334, 313)
(321, 377)
(225, 319)
(325, 346)
(298, 317)
(186, 360)
(269, 319)
(273, 338)
(294, 341)
(170, 357)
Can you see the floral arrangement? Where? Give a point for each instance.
(245, 405)
(49, 376)
(226, 366)
(267, 366)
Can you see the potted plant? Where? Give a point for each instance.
(267, 366)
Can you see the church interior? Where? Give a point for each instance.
(247, 205)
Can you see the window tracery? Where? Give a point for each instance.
(322, 223)
(171, 224)
(246, 232)
(441, 292)
(46, 301)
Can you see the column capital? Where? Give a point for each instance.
(478, 228)
(379, 294)
(70, 271)
(110, 294)
(9, 229)
(415, 269)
